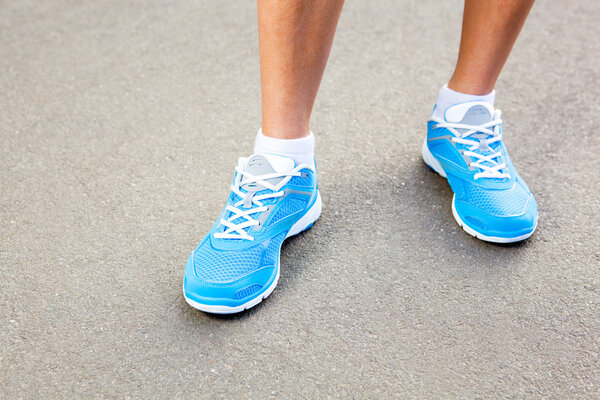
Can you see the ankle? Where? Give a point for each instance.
(285, 126)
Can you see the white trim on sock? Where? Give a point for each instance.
(302, 150)
(449, 97)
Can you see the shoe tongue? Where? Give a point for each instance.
(471, 113)
(262, 164)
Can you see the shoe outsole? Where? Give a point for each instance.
(303, 224)
(435, 166)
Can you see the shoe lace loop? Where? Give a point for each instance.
(479, 138)
(251, 203)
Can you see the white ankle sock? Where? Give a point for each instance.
(449, 97)
(302, 150)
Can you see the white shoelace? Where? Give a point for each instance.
(495, 170)
(239, 210)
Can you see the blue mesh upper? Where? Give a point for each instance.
(289, 207)
(300, 181)
(498, 202)
(457, 186)
(442, 149)
(240, 294)
(226, 265)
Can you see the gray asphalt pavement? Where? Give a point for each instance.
(120, 125)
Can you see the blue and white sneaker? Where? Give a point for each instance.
(491, 201)
(236, 265)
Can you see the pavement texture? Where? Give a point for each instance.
(120, 125)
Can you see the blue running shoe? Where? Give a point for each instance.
(491, 201)
(236, 265)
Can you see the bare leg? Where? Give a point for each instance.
(490, 29)
(295, 39)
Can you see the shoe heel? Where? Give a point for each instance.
(431, 161)
(307, 219)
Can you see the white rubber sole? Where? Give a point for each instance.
(437, 167)
(304, 223)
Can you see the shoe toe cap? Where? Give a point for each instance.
(508, 226)
(231, 292)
